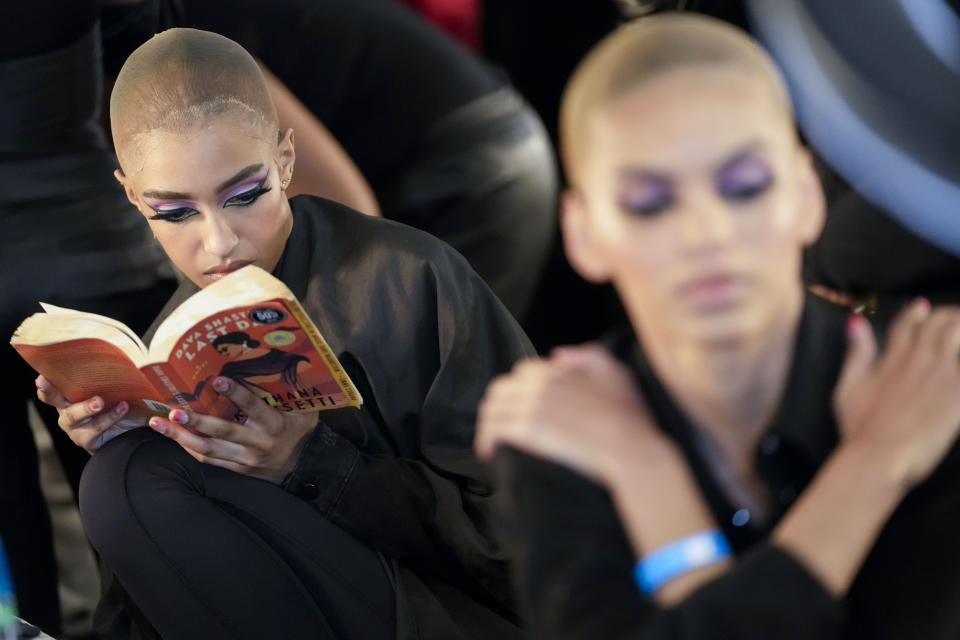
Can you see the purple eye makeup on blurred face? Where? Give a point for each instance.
(643, 193)
(743, 177)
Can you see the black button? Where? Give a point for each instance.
(309, 491)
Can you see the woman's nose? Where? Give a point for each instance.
(706, 222)
(219, 238)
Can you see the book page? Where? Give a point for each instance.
(66, 324)
(52, 308)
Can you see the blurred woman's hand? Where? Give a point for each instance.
(579, 408)
(904, 405)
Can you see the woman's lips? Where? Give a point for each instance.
(713, 291)
(219, 271)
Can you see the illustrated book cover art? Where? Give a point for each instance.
(248, 327)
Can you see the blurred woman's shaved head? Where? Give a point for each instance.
(184, 78)
(648, 49)
(690, 190)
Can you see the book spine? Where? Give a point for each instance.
(168, 384)
(310, 329)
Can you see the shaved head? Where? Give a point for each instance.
(645, 50)
(184, 78)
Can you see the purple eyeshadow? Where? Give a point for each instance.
(639, 190)
(241, 188)
(742, 173)
(171, 205)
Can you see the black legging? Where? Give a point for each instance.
(209, 553)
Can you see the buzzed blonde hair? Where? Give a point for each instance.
(182, 78)
(644, 50)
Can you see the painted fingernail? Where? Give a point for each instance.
(178, 416)
(40, 383)
(121, 408)
(96, 404)
(220, 384)
(852, 321)
(157, 425)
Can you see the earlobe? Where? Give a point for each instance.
(286, 149)
(578, 239)
(286, 157)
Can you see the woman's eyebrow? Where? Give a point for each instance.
(246, 172)
(166, 195)
(240, 175)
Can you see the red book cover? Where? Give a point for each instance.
(264, 341)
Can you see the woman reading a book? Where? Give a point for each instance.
(769, 485)
(365, 523)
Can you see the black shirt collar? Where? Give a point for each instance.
(804, 420)
(803, 431)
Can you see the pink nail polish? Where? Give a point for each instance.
(121, 408)
(157, 425)
(852, 321)
(220, 384)
(179, 416)
(96, 404)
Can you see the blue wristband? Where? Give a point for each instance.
(679, 557)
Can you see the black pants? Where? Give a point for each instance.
(207, 553)
(24, 520)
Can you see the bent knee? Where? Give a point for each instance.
(124, 473)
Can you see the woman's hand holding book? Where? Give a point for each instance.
(90, 424)
(265, 443)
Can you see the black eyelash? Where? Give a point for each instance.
(248, 198)
(174, 215)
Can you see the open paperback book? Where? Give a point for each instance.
(248, 327)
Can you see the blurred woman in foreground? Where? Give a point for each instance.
(768, 484)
